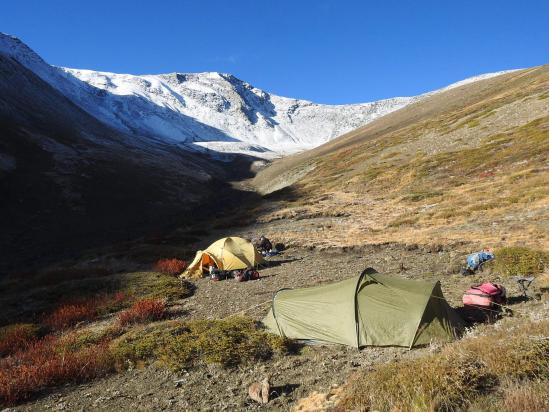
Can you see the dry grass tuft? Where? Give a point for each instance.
(527, 396)
(436, 382)
(454, 377)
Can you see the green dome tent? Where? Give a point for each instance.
(366, 310)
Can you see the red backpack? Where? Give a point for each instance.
(485, 295)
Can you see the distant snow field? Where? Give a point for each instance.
(211, 111)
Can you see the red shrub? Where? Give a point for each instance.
(16, 337)
(145, 310)
(70, 314)
(43, 364)
(170, 266)
(119, 297)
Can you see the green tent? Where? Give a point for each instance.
(367, 310)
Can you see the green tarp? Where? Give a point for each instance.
(367, 310)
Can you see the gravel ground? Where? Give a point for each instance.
(315, 368)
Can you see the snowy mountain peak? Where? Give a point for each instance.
(205, 111)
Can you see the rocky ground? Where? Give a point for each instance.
(314, 368)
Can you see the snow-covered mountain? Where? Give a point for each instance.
(205, 111)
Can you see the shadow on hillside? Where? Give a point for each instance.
(28, 299)
(286, 194)
(105, 187)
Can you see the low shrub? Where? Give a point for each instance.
(228, 342)
(42, 364)
(519, 261)
(112, 303)
(16, 337)
(81, 339)
(142, 311)
(82, 310)
(70, 314)
(147, 285)
(127, 286)
(452, 378)
(142, 343)
(170, 266)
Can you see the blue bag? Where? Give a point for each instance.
(475, 260)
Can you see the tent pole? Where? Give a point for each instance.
(359, 281)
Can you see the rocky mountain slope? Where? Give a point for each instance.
(201, 111)
(468, 164)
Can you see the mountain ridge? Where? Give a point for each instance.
(209, 111)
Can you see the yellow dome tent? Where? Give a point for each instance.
(229, 253)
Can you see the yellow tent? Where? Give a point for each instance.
(229, 253)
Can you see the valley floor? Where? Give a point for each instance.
(313, 368)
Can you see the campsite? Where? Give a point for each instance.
(139, 337)
(274, 206)
(314, 373)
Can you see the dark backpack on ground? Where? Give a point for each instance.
(245, 275)
(252, 274)
(218, 275)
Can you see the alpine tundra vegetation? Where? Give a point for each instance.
(131, 276)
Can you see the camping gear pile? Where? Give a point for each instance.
(265, 247)
(486, 295)
(366, 310)
(245, 275)
(476, 260)
(239, 275)
(225, 255)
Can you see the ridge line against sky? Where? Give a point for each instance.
(333, 52)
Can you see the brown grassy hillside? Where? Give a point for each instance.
(466, 164)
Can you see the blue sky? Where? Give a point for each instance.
(325, 51)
